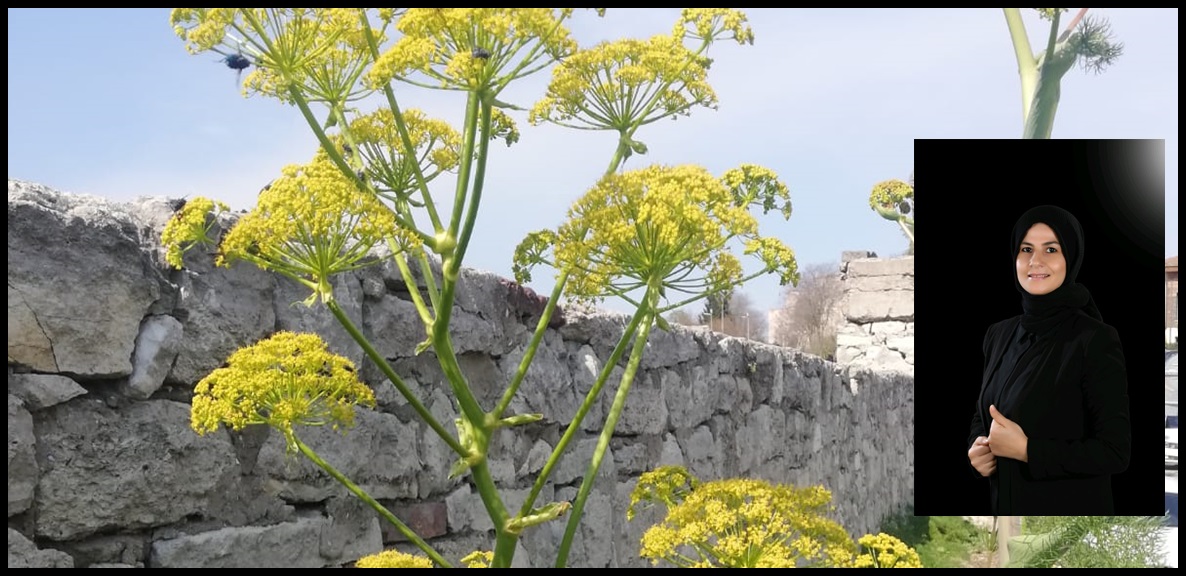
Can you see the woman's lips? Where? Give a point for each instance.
(1039, 276)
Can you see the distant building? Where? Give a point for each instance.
(1171, 299)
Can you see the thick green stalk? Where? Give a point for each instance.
(1045, 104)
(607, 432)
(575, 425)
(504, 545)
(540, 328)
(467, 161)
(449, 365)
(381, 362)
(1027, 65)
(475, 199)
(362, 495)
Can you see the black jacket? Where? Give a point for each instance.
(1076, 419)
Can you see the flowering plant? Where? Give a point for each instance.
(643, 235)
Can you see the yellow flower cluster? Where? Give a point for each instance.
(625, 83)
(478, 559)
(436, 149)
(190, 227)
(473, 48)
(1049, 13)
(657, 225)
(320, 51)
(889, 194)
(885, 551)
(667, 485)
(393, 559)
(714, 23)
(285, 380)
(311, 223)
(749, 523)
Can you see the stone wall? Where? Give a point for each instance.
(878, 329)
(105, 345)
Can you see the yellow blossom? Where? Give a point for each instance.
(190, 227)
(710, 24)
(478, 559)
(311, 223)
(626, 83)
(393, 559)
(473, 48)
(747, 523)
(321, 52)
(657, 225)
(666, 485)
(890, 194)
(436, 149)
(885, 551)
(285, 380)
(1049, 13)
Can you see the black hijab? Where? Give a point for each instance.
(1042, 314)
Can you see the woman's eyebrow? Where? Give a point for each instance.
(1044, 243)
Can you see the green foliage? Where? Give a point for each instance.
(941, 541)
(1087, 542)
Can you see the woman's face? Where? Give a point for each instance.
(1041, 267)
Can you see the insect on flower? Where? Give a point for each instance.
(235, 61)
(481, 53)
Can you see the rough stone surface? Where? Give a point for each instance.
(22, 463)
(156, 349)
(78, 283)
(878, 332)
(290, 545)
(379, 454)
(221, 310)
(137, 467)
(23, 553)
(116, 480)
(39, 391)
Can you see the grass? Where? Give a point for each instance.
(941, 541)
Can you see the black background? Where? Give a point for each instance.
(973, 193)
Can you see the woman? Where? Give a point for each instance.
(1051, 426)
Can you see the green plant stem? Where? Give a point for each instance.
(467, 161)
(1027, 65)
(909, 231)
(402, 128)
(575, 425)
(475, 199)
(505, 541)
(430, 283)
(410, 282)
(702, 296)
(381, 362)
(540, 328)
(607, 432)
(340, 162)
(1053, 36)
(362, 495)
(452, 369)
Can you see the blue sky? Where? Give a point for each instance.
(108, 102)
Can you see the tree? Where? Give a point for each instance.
(716, 306)
(741, 318)
(1090, 45)
(682, 317)
(809, 317)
